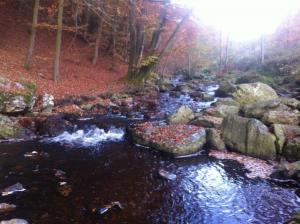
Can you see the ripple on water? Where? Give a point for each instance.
(205, 193)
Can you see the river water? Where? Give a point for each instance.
(100, 165)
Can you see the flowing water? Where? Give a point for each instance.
(100, 165)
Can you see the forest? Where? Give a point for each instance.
(149, 111)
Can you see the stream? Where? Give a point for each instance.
(100, 165)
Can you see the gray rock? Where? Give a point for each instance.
(178, 140)
(16, 97)
(226, 89)
(182, 116)
(226, 101)
(214, 139)
(47, 103)
(254, 92)
(257, 110)
(9, 128)
(208, 121)
(222, 111)
(290, 102)
(280, 117)
(280, 137)
(287, 170)
(249, 136)
(292, 149)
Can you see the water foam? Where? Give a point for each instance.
(87, 138)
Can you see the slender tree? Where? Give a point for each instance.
(58, 40)
(98, 39)
(262, 49)
(32, 34)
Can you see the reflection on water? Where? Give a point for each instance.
(206, 190)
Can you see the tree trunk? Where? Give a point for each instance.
(157, 31)
(113, 58)
(226, 54)
(171, 38)
(87, 22)
(58, 40)
(32, 34)
(262, 50)
(220, 54)
(97, 44)
(133, 38)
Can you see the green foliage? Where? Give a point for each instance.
(148, 61)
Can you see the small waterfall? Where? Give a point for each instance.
(93, 136)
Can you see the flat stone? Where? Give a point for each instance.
(208, 121)
(178, 140)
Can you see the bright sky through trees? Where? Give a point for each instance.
(242, 19)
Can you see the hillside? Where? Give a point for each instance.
(78, 75)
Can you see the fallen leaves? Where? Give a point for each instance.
(257, 167)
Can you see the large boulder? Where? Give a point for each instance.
(214, 139)
(292, 149)
(182, 116)
(254, 92)
(258, 109)
(222, 111)
(283, 134)
(208, 121)
(226, 89)
(281, 117)
(178, 140)
(226, 101)
(287, 170)
(16, 97)
(249, 136)
(291, 102)
(47, 103)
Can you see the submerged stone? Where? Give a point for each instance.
(166, 175)
(5, 208)
(13, 189)
(14, 221)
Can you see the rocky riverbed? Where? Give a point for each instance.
(86, 161)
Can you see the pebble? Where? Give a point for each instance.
(13, 189)
(5, 208)
(14, 221)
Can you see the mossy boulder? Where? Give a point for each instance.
(16, 97)
(249, 136)
(292, 149)
(207, 121)
(9, 128)
(226, 89)
(222, 111)
(258, 109)
(281, 117)
(214, 139)
(254, 92)
(182, 116)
